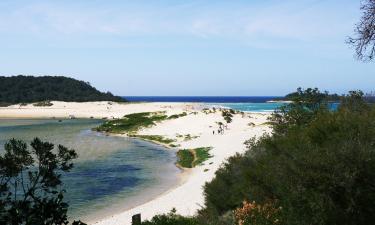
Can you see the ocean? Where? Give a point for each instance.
(242, 103)
(204, 99)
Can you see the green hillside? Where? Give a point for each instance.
(27, 89)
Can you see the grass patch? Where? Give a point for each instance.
(175, 116)
(157, 138)
(202, 154)
(189, 158)
(174, 146)
(43, 104)
(132, 122)
(185, 158)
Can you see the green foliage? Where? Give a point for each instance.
(185, 158)
(319, 167)
(228, 115)
(30, 183)
(175, 116)
(41, 104)
(171, 219)
(132, 122)
(296, 96)
(202, 154)
(189, 158)
(156, 138)
(28, 89)
(304, 108)
(252, 213)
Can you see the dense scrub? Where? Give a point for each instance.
(28, 89)
(318, 166)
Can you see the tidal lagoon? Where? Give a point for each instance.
(111, 174)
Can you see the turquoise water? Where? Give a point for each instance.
(111, 173)
(249, 107)
(260, 107)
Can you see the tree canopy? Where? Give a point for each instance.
(28, 89)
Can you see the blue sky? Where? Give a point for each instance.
(252, 47)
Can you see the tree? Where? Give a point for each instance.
(364, 39)
(304, 107)
(30, 183)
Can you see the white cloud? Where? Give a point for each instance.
(302, 20)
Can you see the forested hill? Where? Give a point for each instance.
(27, 89)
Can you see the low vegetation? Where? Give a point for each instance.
(185, 158)
(155, 138)
(175, 116)
(189, 158)
(187, 137)
(228, 115)
(42, 104)
(29, 89)
(132, 122)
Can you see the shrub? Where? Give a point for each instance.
(171, 219)
(252, 213)
(43, 104)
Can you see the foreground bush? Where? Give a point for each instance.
(171, 219)
(318, 164)
(31, 190)
(253, 213)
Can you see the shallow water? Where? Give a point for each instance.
(249, 107)
(111, 173)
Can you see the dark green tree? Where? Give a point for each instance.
(305, 105)
(30, 183)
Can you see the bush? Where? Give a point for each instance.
(42, 104)
(252, 213)
(171, 219)
(31, 189)
(320, 168)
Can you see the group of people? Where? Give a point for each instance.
(221, 129)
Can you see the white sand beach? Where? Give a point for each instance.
(188, 197)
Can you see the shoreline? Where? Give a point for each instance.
(182, 177)
(186, 196)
